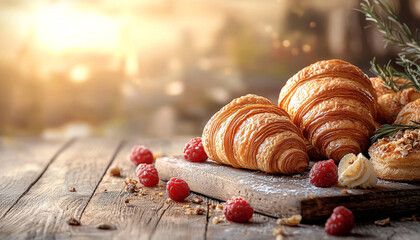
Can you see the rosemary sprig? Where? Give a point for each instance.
(387, 74)
(396, 33)
(388, 130)
(389, 25)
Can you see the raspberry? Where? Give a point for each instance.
(194, 151)
(341, 222)
(177, 189)
(147, 174)
(237, 210)
(324, 174)
(140, 154)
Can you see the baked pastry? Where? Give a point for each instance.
(334, 105)
(390, 103)
(312, 153)
(397, 158)
(251, 132)
(378, 85)
(410, 112)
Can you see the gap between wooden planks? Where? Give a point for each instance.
(42, 212)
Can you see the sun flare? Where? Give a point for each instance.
(60, 27)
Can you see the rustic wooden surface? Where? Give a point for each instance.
(35, 201)
(284, 196)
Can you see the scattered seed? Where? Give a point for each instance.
(345, 191)
(72, 189)
(160, 194)
(127, 200)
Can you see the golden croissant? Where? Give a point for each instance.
(409, 113)
(251, 132)
(390, 103)
(334, 105)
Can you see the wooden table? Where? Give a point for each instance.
(35, 201)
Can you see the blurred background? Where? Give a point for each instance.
(160, 68)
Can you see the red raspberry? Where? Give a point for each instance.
(140, 154)
(147, 174)
(237, 210)
(178, 189)
(324, 174)
(194, 151)
(341, 222)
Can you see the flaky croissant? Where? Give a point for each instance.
(409, 113)
(334, 105)
(390, 103)
(251, 132)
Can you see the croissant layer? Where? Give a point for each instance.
(251, 132)
(334, 105)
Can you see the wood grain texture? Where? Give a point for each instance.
(22, 162)
(280, 195)
(144, 217)
(42, 212)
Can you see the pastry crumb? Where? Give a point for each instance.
(105, 226)
(189, 211)
(168, 200)
(199, 210)
(216, 220)
(197, 200)
(131, 185)
(383, 222)
(73, 222)
(278, 231)
(157, 155)
(291, 221)
(115, 171)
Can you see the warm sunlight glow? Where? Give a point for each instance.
(60, 27)
(174, 88)
(79, 73)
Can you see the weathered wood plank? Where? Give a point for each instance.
(22, 162)
(42, 212)
(176, 224)
(142, 217)
(280, 195)
(261, 227)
